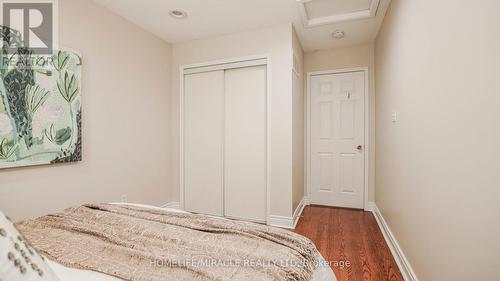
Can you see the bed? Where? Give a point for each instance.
(322, 271)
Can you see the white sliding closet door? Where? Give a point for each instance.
(245, 143)
(203, 142)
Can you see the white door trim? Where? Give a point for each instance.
(367, 179)
(231, 63)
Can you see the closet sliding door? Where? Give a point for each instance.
(203, 142)
(245, 138)
(225, 140)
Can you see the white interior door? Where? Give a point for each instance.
(337, 128)
(203, 142)
(245, 143)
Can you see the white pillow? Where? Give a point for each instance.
(18, 260)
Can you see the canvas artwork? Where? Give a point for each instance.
(40, 105)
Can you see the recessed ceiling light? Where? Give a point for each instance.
(178, 14)
(338, 34)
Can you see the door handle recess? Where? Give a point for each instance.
(360, 147)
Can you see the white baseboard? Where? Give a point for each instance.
(298, 211)
(397, 252)
(280, 221)
(288, 222)
(370, 206)
(172, 205)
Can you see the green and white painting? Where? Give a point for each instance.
(40, 105)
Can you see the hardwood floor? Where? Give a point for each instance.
(351, 241)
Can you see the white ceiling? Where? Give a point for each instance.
(208, 18)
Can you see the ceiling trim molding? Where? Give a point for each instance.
(358, 15)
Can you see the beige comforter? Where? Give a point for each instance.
(141, 244)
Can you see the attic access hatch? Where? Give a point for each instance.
(321, 12)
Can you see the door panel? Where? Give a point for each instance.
(337, 128)
(326, 179)
(325, 109)
(245, 143)
(346, 173)
(203, 139)
(347, 118)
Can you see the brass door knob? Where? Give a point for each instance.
(360, 147)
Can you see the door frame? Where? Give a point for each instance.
(219, 64)
(367, 148)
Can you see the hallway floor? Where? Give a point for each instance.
(351, 241)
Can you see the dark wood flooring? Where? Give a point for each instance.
(351, 241)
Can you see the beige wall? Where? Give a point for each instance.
(298, 140)
(277, 43)
(125, 96)
(352, 57)
(438, 169)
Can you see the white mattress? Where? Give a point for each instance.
(322, 273)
